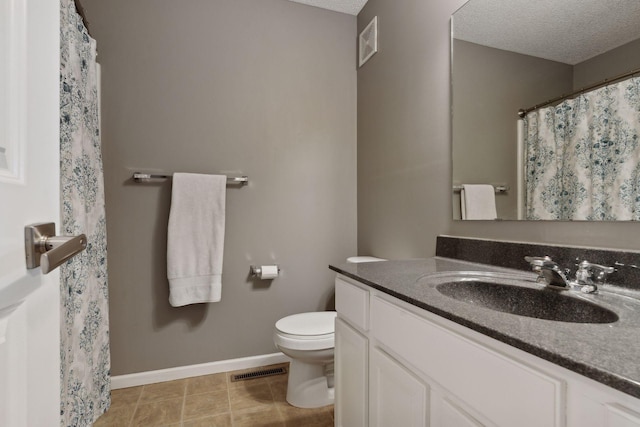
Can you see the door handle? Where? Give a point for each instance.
(44, 249)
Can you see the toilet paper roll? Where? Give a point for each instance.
(268, 272)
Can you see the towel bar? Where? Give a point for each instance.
(144, 177)
(498, 188)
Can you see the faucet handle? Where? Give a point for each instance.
(589, 276)
(598, 271)
(536, 265)
(537, 261)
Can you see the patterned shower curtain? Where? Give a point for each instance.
(84, 348)
(583, 156)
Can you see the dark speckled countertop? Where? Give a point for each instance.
(607, 353)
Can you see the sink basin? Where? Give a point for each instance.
(541, 303)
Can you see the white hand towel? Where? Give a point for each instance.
(478, 201)
(196, 238)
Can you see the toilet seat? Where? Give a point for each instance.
(308, 324)
(306, 331)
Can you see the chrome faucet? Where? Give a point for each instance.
(588, 275)
(548, 271)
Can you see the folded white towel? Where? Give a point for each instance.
(196, 238)
(478, 201)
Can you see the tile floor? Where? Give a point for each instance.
(211, 401)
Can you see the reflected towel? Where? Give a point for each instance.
(196, 238)
(478, 201)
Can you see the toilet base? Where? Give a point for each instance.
(308, 385)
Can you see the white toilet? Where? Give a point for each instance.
(309, 340)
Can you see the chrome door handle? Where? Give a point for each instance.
(44, 249)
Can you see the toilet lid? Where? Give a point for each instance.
(316, 323)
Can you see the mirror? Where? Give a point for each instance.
(509, 55)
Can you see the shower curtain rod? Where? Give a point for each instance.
(605, 82)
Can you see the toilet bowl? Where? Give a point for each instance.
(309, 340)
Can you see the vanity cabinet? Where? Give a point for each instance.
(397, 364)
(352, 356)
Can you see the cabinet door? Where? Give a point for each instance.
(397, 397)
(351, 365)
(448, 413)
(619, 416)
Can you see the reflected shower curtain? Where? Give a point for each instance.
(84, 335)
(583, 156)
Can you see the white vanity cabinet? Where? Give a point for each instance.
(352, 356)
(399, 365)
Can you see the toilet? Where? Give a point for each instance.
(309, 340)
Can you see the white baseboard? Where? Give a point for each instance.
(180, 372)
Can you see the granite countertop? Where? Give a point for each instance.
(607, 353)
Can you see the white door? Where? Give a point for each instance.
(397, 397)
(445, 412)
(351, 373)
(29, 193)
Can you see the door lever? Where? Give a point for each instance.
(44, 249)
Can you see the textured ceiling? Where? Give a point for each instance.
(352, 7)
(568, 31)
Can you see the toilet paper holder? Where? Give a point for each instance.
(256, 270)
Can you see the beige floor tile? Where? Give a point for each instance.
(215, 421)
(246, 383)
(212, 401)
(263, 418)
(278, 378)
(254, 397)
(294, 417)
(331, 410)
(116, 416)
(160, 413)
(207, 384)
(125, 396)
(206, 404)
(163, 391)
(279, 391)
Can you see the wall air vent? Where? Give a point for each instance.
(368, 41)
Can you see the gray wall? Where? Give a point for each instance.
(610, 64)
(404, 155)
(404, 173)
(265, 88)
(489, 87)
